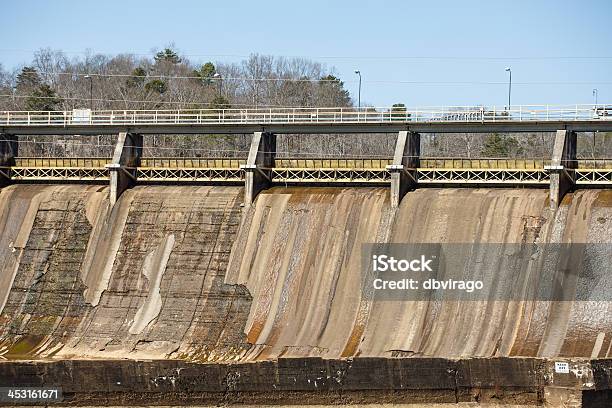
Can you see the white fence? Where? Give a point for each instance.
(523, 113)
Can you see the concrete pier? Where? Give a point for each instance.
(8, 152)
(126, 158)
(562, 166)
(257, 175)
(405, 163)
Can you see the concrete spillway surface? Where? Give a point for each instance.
(187, 274)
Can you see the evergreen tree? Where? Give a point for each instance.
(167, 55)
(398, 112)
(332, 91)
(206, 73)
(137, 79)
(156, 85)
(43, 98)
(498, 146)
(28, 79)
(220, 102)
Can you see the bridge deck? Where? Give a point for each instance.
(312, 120)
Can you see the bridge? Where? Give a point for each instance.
(262, 167)
(453, 119)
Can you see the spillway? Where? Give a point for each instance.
(188, 274)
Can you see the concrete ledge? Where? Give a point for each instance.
(291, 380)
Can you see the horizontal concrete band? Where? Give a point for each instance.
(436, 376)
(314, 128)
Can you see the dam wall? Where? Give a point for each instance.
(143, 281)
(186, 273)
(304, 274)
(191, 278)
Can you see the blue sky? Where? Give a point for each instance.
(472, 42)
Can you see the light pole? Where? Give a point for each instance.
(90, 90)
(508, 70)
(359, 94)
(595, 109)
(217, 77)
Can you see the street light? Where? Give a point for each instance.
(217, 76)
(90, 90)
(359, 94)
(595, 109)
(509, 85)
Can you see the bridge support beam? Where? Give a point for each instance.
(405, 162)
(8, 152)
(126, 159)
(562, 166)
(258, 175)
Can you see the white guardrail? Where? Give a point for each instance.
(308, 115)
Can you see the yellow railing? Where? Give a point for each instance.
(192, 162)
(595, 163)
(324, 163)
(309, 163)
(442, 163)
(89, 162)
(482, 163)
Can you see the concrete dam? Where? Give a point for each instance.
(247, 280)
(185, 274)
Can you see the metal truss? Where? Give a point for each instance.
(593, 176)
(300, 175)
(425, 176)
(189, 174)
(59, 173)
(482, 176)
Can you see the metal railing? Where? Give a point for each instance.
(331, 163)
(192, 162)
(602, 163)
(76, 162)
(482, 163)
(523, 113)
(313, 162)
(434, 171)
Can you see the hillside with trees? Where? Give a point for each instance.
(167, 80)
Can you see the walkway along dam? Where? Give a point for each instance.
(130, 280)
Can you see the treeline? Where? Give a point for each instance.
(52, 81)
(167, 80)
